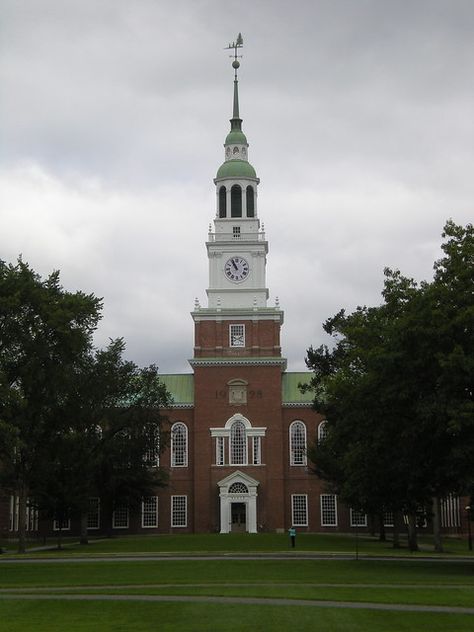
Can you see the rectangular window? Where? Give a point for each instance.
(93, 515)
(120, 517)
(32, 517)
(220, 458)
(152, 455)
(388, 519)
(236, 232)
(358, 518)
(179, 511)
(299, 510)
(237, 335)
(450, 514)
(150, 512)
(257, 450)
(13, 525)
(62, 525)
(328, 510)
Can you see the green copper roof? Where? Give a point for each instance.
(236, 137)
(181, 387)
(290, 391)
(236, 169)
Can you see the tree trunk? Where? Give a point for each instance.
(412, 536)
(397, 522)
(438, 544)
(372, 525)
(84, 536)
(22, 500)
(382, 535)
(60, 533)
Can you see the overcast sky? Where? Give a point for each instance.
(360, 119)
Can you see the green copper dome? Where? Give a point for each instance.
(236, 137)
(236, 169)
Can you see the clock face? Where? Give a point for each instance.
(236, 269)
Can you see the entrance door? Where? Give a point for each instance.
(239, 522)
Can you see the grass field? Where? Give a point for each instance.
(41, 593)
(247, 543)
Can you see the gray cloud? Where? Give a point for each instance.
(359, 116)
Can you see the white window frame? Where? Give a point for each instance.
(92, 513)
(174, 462)
(179, 524)
(388, 519)
(324, 508)
(322, 431)
(358, 518)
(237, 329)
(256, 450)
(293, 461)
(121, 508)
(303, 509)
(65, 527)
(150, 514)
(220, 451)
(244, 460)
(152, 455)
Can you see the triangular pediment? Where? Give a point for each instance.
(238, 477)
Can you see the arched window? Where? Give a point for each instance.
(236, 201)
(222, 202)
(238, 488)
(179, 445)
(297, 443)
(238, 444)
(322, 431)
(250, 201)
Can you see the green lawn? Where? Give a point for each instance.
(18, 616)
(248, 543)
(391, 582)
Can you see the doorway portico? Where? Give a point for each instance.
(238, 503)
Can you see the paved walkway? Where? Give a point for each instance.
(256, 601)
(151, 557)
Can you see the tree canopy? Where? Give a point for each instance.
(397, 388)
(74, 421)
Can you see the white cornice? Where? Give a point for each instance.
(249, 361)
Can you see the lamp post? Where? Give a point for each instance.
(469, 534)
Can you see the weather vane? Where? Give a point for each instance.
(239, 42)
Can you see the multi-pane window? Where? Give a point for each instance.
(179, 511)
(322, 431)
(220, 455)
(328, 510)
(299, 510)
(152, 455)
(238, 444)
(150, 512)
(62, 525)
(236, 232)
(237, 335)
(450, 511)
(120, 517)
(257, 450)
(297, 443)
(358, 518)
(93, 515)
(238, 488)
(179, 445)
(31, 517)
(388, 519)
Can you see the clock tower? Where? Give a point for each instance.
(237, 321)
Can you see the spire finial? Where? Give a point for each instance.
(239, 42)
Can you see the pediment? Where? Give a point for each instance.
(238, 477)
